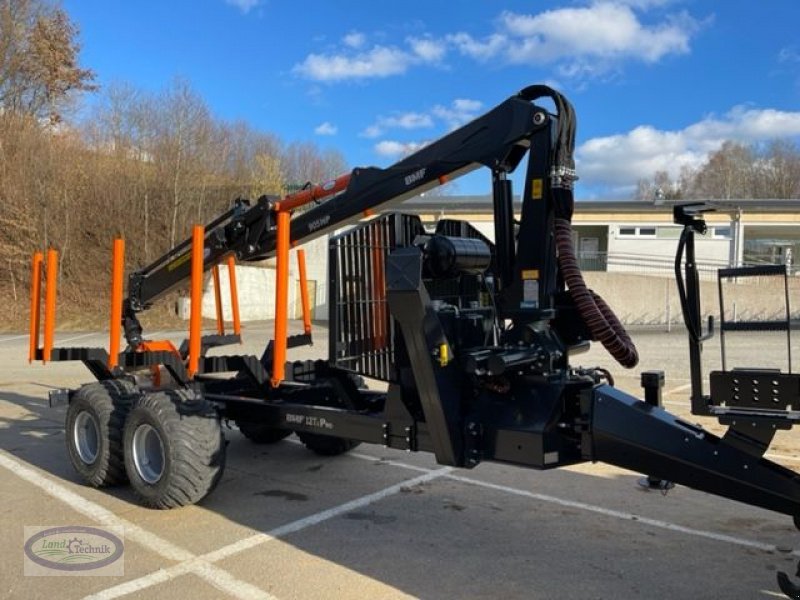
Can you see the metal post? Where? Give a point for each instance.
(281, 298)
(50, 303)
(196, 314)
(653, 383)
(237, 325)
(218, 300)
(36, 302)
(117, 272)
(301, 265)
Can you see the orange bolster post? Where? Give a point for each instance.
(237, 325)
(281, 298)
(196, 294)
(36, 304)
(50, 303)
(301, 264)
(117, 272)
(218, 300)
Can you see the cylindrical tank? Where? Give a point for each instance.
(451, 256)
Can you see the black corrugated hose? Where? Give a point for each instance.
(603, 324)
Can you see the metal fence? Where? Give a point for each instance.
(664, 265)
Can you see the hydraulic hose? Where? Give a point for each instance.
(603, 324)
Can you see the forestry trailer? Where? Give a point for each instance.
(472, 338)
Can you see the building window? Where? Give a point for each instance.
(722, 232)
(637, 232)
(669, 232)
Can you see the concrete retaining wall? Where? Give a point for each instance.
(653, 300)
(256, 287)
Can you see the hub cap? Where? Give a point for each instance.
(148, 453)
(86, 436)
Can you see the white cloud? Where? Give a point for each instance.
(481, 51)
(408, 120)
(457, 113)
(617, 162)
(428, 49)
(380, 61)
(394, 149)
(326, 128)
(789, 54)
(354, 39)
(243, 5)
(581, 41)
(460, 111)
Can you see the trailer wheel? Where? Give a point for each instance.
(327, 445)
(262, 434)
(174, 448)
(95, 418)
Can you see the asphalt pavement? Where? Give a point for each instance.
(377, 523)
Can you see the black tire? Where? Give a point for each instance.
(327, 445)
(93, 428)
(174, 449)
(259, 433)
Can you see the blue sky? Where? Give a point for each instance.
(657, 84)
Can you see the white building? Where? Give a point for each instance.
(610, 236)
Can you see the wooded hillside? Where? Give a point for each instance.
(139, 165)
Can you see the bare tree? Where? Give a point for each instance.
(38, 59)
(728, 173)
(304, 162)
(777, 171)
(661, 187)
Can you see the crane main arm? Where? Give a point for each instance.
(498, 140)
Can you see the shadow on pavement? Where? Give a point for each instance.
(442, 539)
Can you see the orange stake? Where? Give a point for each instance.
(36, 304)
(196, 314)
(301, 263)
(281, 298)
(237, 326)
(50, 303)
(218, 300)
(117, 271)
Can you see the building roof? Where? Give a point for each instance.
(483, 203)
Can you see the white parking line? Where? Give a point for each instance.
(170, 573)
(219, 578)
(625, 516)
(15, 337)
(680, 388)
(429, 475)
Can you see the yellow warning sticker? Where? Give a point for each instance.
(530, 274)
(179, 261)
(536, 189)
